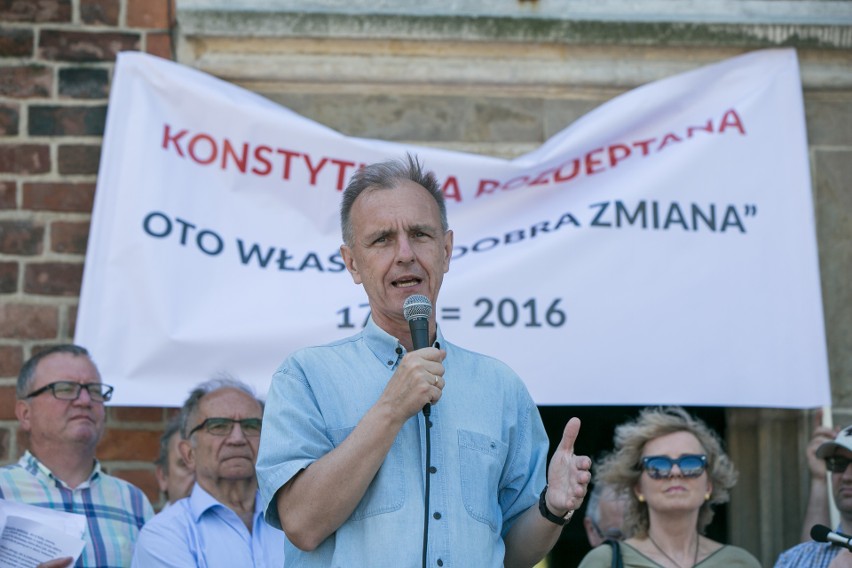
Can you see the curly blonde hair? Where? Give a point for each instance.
(621, 469)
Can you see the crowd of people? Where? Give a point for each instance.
(376, 452)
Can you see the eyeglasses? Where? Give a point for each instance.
(68, 390)
(837, 464)
(224, 426)
(660, 467)
(608, 534)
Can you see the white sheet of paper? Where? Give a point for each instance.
(31, 535)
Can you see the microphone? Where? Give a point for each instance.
(822, 533)
(417, 309)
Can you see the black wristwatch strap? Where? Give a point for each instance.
(545, 512)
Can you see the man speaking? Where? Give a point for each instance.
(376, 454)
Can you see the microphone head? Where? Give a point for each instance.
(416, 306)
(820, 533)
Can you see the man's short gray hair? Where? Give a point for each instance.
(190, 407)
(25, 376)
(386, 175)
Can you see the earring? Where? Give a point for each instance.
(706, 496)
(641, 498)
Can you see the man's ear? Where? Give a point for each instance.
(349, 261)
(23, 413)
(187, 453)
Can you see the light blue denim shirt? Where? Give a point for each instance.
(488, 448)
(199, 531)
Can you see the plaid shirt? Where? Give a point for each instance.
(115, 509)
(809, 555)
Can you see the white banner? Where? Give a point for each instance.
(659, 250)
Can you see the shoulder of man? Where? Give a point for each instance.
(807, 555)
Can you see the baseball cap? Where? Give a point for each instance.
(843, 440)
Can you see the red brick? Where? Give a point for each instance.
(27, 321)
(24, 158)
(97, 12)
(53, 278)
(152, 14)
(35, 10)
(67, 120)
(70, 197)
(129, 444)
(16, 42)
(11, 359)
(7, 403)
(160, 44)
(144, 479)
(21, 237)
(56, 45)
(26, 81)
(8, 277)
(137, 414)
(79, 159)
(68, 237)
(84, 83)
(10, 118)
(8, 195)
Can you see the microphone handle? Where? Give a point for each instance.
(419, 328)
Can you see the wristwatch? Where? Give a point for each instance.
(545, 512)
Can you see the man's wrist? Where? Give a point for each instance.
(548, 514)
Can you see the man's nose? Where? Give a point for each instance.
(404, 252)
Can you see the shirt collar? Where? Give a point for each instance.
(386, 347)
(200, 501)
(33, 465)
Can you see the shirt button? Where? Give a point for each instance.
(437, 516)
(433, 469)
(399, 350)
(440, 562)
(390, 363)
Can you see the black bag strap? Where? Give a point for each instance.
(616, 553)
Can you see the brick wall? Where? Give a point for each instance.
(56, 64)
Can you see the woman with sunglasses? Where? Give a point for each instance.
(673, 470)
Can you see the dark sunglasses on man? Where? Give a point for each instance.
(837, 464)
(69, 390)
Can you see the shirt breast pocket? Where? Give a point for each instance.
(481, 461)
(386, 493)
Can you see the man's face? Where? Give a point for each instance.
(177, 483)
(52, 422)
(841, 484)
(398, 249)
(218, 459)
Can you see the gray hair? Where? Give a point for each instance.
(25, 376)
(190, 407)
(386, 175)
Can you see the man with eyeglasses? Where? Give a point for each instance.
(838, 460)
(60, 406)
(221, 523)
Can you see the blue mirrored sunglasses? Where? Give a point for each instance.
(660, 467)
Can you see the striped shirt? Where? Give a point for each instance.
(115, 509)
(809, 555)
